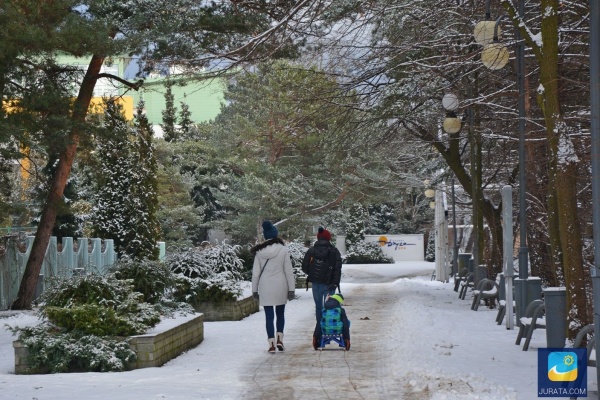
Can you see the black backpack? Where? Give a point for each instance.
(321, 267)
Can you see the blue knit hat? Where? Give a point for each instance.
(269, 230)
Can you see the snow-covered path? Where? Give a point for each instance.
(419, 342)
(361, 373)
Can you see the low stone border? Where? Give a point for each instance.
(301, 283)
(155, 350)
(152, 350)
(21, 365)
(228, 310)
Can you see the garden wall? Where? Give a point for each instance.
(228, 310)
(301, 283)
(152, 350)
(155, 350)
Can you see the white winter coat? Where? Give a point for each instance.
(277, 278)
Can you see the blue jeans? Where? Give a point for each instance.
(270, 316)
(320, 291)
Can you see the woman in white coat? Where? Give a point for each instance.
(273, 282)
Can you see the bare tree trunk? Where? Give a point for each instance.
(564, 166)
(487, 210)
(57, 187)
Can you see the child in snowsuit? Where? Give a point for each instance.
(333, 317)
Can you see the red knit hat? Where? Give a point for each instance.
(323, 234)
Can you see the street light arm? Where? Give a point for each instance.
(495, 37)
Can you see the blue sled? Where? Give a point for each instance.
(337, 338)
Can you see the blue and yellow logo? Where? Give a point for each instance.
(562, 366)
(562, 372)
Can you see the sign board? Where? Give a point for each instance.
(399, 247)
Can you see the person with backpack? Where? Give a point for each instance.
(323, 265)
(273, 282)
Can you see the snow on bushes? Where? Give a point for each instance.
(367, 253)
(297, 251)
(82, 317)
(212, 274)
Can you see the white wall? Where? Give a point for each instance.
(399, 247)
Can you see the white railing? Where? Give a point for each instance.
(90, 255)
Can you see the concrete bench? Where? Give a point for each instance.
(534, 318)
(459, 278)
(486, 290)
(466, 284)
(591, 344)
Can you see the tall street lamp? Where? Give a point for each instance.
(595, 153)
(495, 56)
(454, 235)
(452, 124)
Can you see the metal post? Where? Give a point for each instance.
(454, 235)
(523, 251)
(507, 234)
(474, 189)
(595, 154)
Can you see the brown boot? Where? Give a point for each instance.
(280, 341)
(271, 345)
(316, 343)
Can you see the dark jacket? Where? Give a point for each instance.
(333, 303)
(319, 250)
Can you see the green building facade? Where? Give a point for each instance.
(203, 97)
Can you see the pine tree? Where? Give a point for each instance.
(169, 116)
(430, 251)
(143, 239)
(126, 199)
(187, 129)
(355, 227)
(113, 203)
(35, 35)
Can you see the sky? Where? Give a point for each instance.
(411, 338)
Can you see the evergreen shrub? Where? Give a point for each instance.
(83, 318)
(297, 251)
(69, 352)
(212, 274)
(247, 258)
(367, 253)
(150, 278)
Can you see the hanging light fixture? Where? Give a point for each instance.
(494, 55)
(484, 32)
(450, 101)
(451, 123)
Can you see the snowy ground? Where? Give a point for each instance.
(411, 339)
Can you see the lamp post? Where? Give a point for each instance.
(495, 56)
(454, 235)
(595, 153)
(452, 124)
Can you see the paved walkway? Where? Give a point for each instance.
(361, 373)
